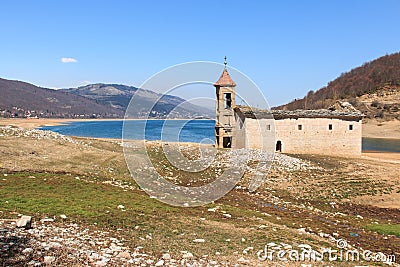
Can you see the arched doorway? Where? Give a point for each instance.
(278, 146)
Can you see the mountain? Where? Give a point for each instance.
(118, 96)
(373, 88)
(21, 99)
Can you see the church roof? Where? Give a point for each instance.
(255, 113)
(225, 79)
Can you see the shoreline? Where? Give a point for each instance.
(389, 157)
(35, 123)
(381, 130)
(28, 124)
(32, 123)
(370, 128)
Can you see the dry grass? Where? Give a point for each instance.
(42, 181)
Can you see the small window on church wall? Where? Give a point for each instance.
(351, 127)
(300, 127)
(330, 127)
(268, 127)
(228, 100)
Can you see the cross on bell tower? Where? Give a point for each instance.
(225, 116)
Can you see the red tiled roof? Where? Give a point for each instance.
(225, 79)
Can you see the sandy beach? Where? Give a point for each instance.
(35, 123)
(376, 129)
(382, 156)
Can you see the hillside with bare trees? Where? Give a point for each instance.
(373, 88)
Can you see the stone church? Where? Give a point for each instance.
(333, 131)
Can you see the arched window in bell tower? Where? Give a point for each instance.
(228, 100)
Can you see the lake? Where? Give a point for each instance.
(380, 144)
(175, 131)
(166, 130)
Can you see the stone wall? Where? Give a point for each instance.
(304, 136)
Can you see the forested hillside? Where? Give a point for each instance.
(378, 81)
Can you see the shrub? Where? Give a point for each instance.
(375, 104)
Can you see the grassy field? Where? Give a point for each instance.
(385, 229)
(87, 180)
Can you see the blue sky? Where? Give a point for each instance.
(286, 47)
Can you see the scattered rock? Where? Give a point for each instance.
(39, 135)
(187, 255)
(24, 222)
(27, 251)
(160, 263)
(166, 256)
(48, 259)
(59, 240)
(124, 255)
(100, 263)
(55, 245)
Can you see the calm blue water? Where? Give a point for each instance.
(167, 130)
(379, 144)
(176, 131)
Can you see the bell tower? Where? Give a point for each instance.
(225, 117)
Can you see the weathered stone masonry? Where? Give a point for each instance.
(334, 131)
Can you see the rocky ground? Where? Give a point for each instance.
(383, 104)
(51, 243)
(87, 213)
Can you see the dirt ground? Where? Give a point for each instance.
(332, 197)
(382, 156)
(35, 123)
(377, 129)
